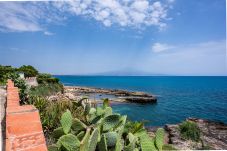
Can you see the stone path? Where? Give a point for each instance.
(2, 108)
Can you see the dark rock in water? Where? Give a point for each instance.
(122, 95)
(138, 99)
(213, 135)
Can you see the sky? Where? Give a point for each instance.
(89, 37)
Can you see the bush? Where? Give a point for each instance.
(29, 71)
(190, 131)
(4, 70)
(20, 83)
(46, 79)
(51, 111)
(44, 90)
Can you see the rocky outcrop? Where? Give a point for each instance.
(213, 135)
(121, 95)
(139, 99)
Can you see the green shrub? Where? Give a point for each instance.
(29, 71)
(5, 70)
(46, 79)
(20, 83)
(190, 131)
(44, 90)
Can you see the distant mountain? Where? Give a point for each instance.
(128, 72)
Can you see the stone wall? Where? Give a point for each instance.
(23, 127)
(31, 81)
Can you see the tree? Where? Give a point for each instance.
(29, 71)
(5, 70)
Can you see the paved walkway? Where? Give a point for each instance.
(2, 108)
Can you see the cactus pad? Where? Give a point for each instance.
(69, 142)
(85, 141)
(110, 122)
(58, 132)
(93, 140)
(66, 121)
(77, 125)
(102, 144)
(111, 139)
(159, 138)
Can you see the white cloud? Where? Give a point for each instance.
(14, 17)
(132, 13)
(207, 58)
(26, 16)
(48, 33)
(34, 16)
(160, 47)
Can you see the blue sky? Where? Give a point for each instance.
(173, 37)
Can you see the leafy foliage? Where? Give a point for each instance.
(20, 83)
(29, 71)
(66, 121)
(44, 90)
(189, 130)
(46, 79)
(102, 130)
(5, 70)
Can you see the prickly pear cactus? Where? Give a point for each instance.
(58, 132)
(99, 111)
(84, 145)
(159, 138)
(93, 140)
(146, 143)
(102, 144)
(68, 142)
(87, 109)
(53, 148)
(66, 121)
(78, 126)
(108, 111)
(106, 103)
(119, 145)
(111, 139)
(132, 143)
(80, 136)
(110, 122)
(121, 125)
(92, 111)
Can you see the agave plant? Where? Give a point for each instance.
(102, 130)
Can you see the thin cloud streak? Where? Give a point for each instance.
(190, 59)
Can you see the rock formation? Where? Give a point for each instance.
(213, 135)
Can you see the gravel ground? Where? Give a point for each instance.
(2, 126)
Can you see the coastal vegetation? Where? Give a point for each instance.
(75, 125)
(101, 129)
(72, 123)
(190, 131)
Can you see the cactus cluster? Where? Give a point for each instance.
(103, 130)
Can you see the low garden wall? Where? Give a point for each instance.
(23, 127)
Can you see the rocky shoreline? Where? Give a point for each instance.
(117, 95)
(213, 135)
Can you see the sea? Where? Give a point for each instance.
(178, 97)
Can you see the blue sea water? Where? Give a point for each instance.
(179, 97)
